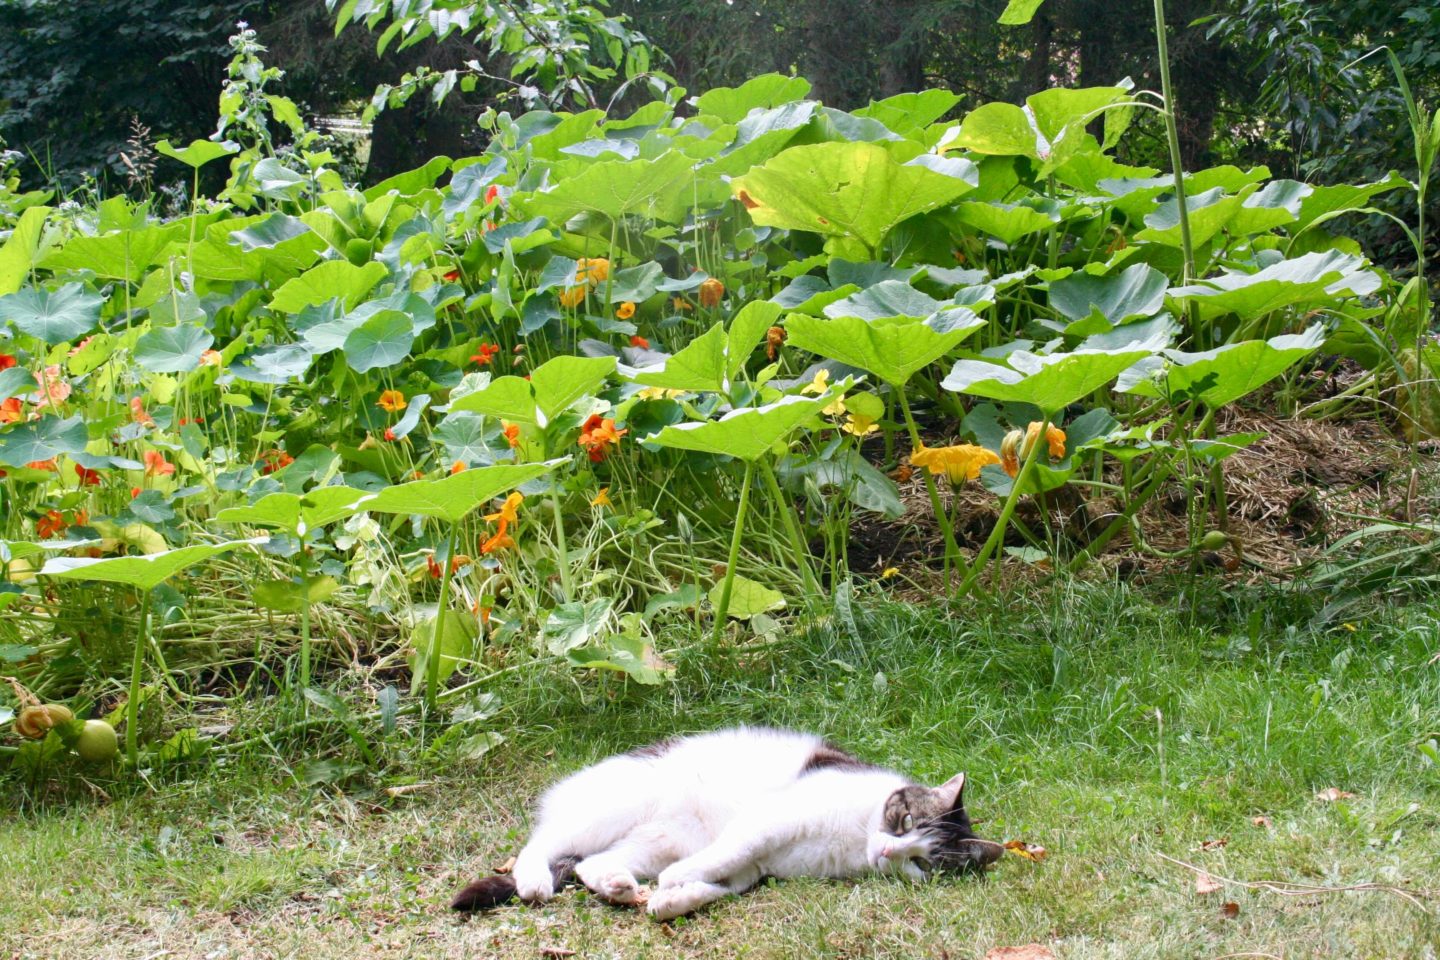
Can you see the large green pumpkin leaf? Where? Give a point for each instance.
(747, 434)
(17, 254)
(1137, 291)
(1314, 277)
(199, 153)
(331, 280)
(699, 366)
(617, 188)
(733, 104)
(746, 331)
(451, 498)
(624, 653)
(551, 389)
(1220, 376)
(298, 513)
(844, 190)
(57, 316)
(1007, 222)
(457, 643)
(909, 113)
(1051, 382)
(889, 298)
(892, 348)
(144, 572)
(174, 349)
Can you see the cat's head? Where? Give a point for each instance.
(927, 828)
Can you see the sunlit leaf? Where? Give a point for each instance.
(143, 572)
(1050, 382)
(747, 434)
(452, 497)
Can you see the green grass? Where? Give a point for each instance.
(1108, 726)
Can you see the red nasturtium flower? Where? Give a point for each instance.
(7, 361)
(596, 434)
(156, 465)
(451, 276)
(485, 354)
(639, 341)
(391, 401)
(51, 525)
(88, 478)
(389, 435)
(433, 567)
(12, 410)
(274, 459)
(712, 291)
(492, 193)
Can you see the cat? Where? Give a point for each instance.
(712, 814)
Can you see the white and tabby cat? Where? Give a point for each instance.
(711, 815)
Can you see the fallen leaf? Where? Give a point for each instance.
(405, 789)
(556, 952)
(1331, 794)
(1207, 845)
(1031, 951)
(1030, 851)
(506, 867)
(1262, 821)
(1204, 883)
(1230, 910)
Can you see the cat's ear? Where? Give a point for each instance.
(952, 792)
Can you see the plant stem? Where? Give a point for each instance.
(952, 549)
(997, 535)
(565, 586)
(437, 633)
(137, 665)
(723, 609)
(797, 543)
(1172, 133)
(304, 618)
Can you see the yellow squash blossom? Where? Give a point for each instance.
(1017, 446)
(859, 425)
(960, 462)
(712, 291)
(592, 270)
(573, 296)
(391, 401)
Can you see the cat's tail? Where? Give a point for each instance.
(490, 892)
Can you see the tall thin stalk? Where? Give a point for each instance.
(952, 549)
(437, 634)
(137, 666)
(723, 610)
(1172, 133)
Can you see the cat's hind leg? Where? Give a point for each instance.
(614, 875)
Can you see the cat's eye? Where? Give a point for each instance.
(908, 823)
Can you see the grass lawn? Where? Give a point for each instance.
(1110, 727)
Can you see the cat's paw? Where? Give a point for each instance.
(678, 874)
(533, 882)
(613, 886)
(675, 902)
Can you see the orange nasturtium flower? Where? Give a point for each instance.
(138, 414)
(7, 360)
(88, 477)
(484, 354)
(712, 291)
(508, 513)
(210, 358)
(391, 401)
(457, 467)
(681, 304)
(601, 499)
(596, 434)
(156, 465)
(960, 462)
(625, 311)
(512, 435)
(639, 341)
(275, 459)
(12, 410)
(50, 465)
(53, 388)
